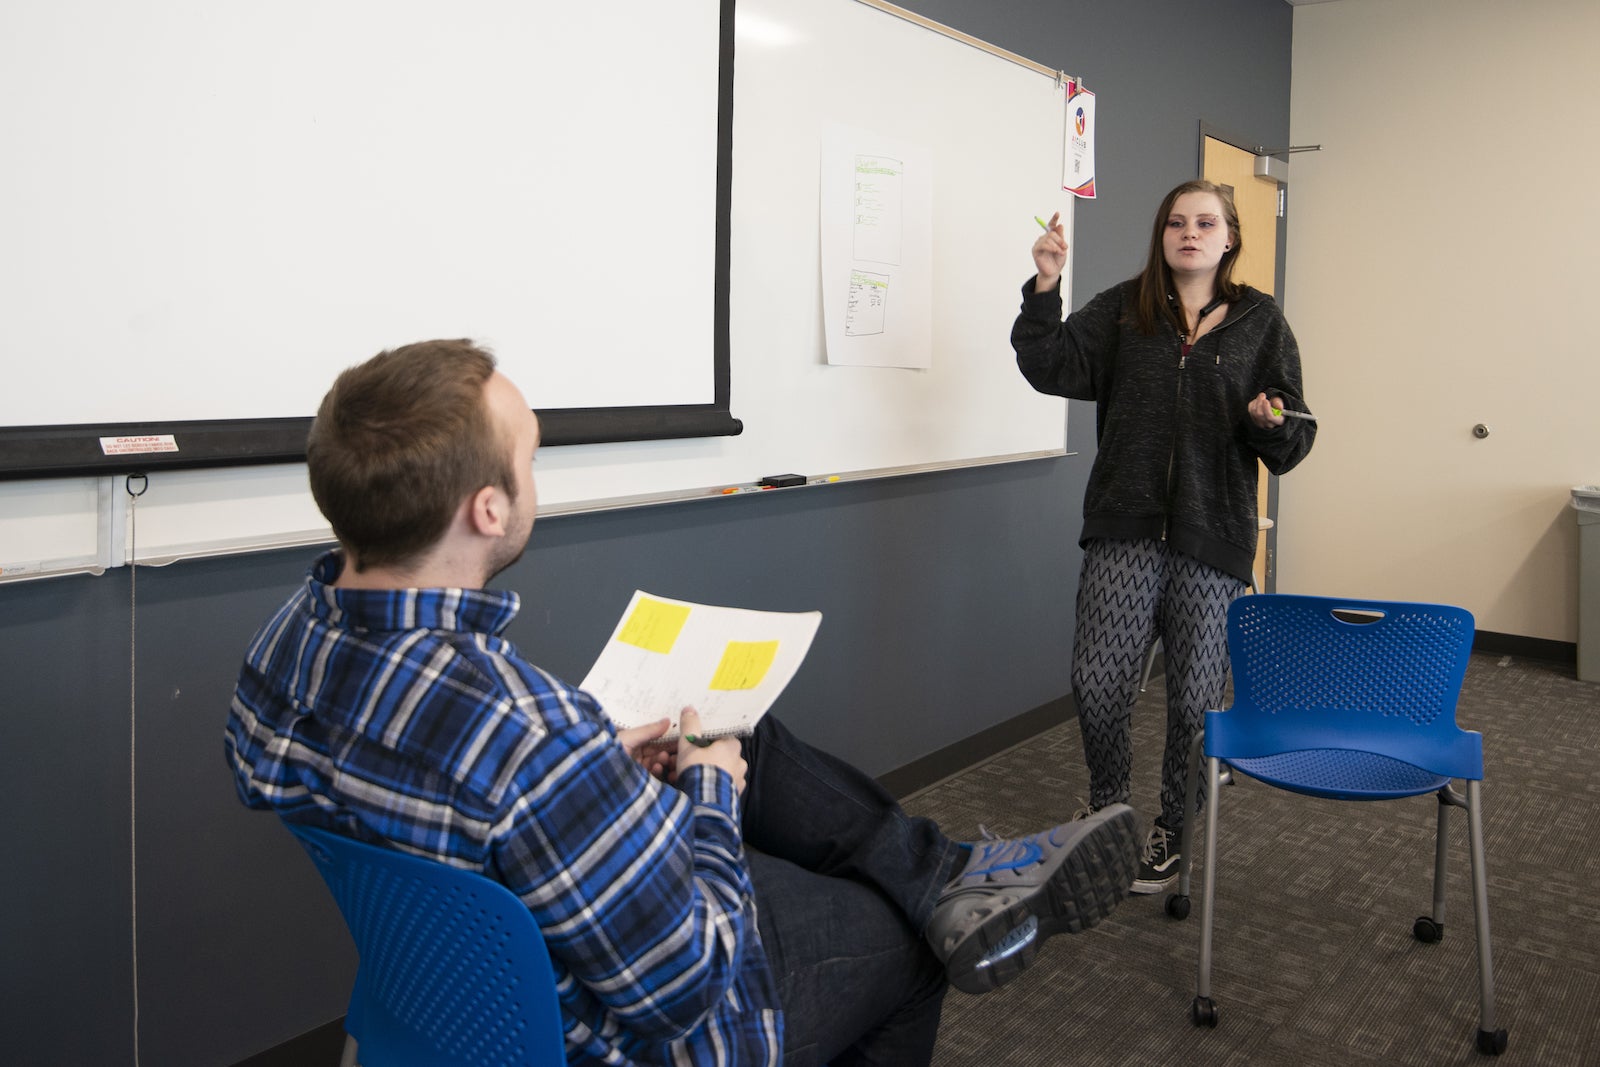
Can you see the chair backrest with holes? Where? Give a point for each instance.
(453, 967)
(1361, 675)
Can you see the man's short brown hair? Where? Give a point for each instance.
(399, 442)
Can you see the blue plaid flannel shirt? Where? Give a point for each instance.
(403, 717)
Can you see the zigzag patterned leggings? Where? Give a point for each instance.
(1129, 593)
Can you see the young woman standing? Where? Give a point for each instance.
(1186, 368)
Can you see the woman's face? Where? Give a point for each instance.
(1196, 234)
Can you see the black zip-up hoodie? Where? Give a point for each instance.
(1177, 449)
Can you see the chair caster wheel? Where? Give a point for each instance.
(1492, 1044)
(1204, 1013)
(1427, 931)
(1178, 906)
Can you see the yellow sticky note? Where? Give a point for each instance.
(744, 664)
(654, 626)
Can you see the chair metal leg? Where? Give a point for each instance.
(1204, 1010)
(348, 1059)
(1186, 838)
(1430, 928)
(1149, 664)
(1441, 855)
(1490, 1039)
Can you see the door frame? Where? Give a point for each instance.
(1269, 580)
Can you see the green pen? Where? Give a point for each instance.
(699, 742)
(1294, 415)
(1043, 225)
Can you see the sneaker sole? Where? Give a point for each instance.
(1146, 886)
(1091, 879)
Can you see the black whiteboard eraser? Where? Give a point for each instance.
(779, 481)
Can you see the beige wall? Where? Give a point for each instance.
(1444, 270)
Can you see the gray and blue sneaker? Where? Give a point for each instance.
(1013, 893)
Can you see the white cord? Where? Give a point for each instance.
(133, 793)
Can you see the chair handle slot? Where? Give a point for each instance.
(1358, 616)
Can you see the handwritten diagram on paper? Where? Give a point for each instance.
(729, 664)
(863, 313)
(876, 206)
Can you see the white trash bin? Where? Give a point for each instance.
(1586, 502)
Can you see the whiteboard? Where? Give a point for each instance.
(993, 131)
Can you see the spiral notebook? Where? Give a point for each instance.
(729, 664)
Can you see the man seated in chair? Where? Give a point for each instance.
(751, 901)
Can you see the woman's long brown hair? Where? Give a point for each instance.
(1155, 282)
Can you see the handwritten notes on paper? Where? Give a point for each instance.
(653, 624)
(879, 206)
(729, 664)
(744, 664)
(875, 236)
(876, 205)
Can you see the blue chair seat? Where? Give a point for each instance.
(1340, 774)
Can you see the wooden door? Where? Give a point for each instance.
(1256, 200)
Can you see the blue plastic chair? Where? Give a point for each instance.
(453, 968)
(1348, 700)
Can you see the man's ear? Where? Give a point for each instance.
(487, 511)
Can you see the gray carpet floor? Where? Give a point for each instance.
(1314, 960)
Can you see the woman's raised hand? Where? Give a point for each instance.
(1050, 255)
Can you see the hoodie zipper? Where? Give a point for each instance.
(1177, 409)
(1172, 453)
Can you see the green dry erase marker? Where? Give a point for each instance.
(1294, 415)
(1043, 225)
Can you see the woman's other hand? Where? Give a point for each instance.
(1261, 411)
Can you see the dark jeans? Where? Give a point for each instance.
(845, 882)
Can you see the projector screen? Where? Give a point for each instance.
(208, 209)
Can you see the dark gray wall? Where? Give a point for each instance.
(947, 604)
